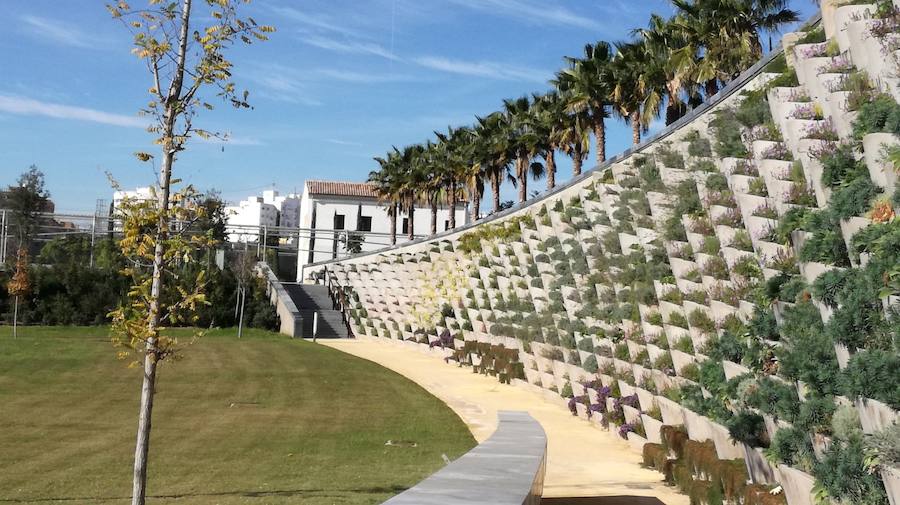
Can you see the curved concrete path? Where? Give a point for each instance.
(582, 461)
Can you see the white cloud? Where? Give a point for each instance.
(283, 84)
(340, 142)
(23, 106)
(349, 46)
(359, 77)
(491, 70)
(59, 32)
(315, 22)
(532, 12)
(29, 107)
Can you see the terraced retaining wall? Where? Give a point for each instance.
(725, 297)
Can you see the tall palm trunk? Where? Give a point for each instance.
(495, 189)
(577, 160)
(635, 118)
(711, 87)
(476, 203)
(522, 175)
(412, 221)
(550, 158)
(434, 212)
(452, 217)
(600, 134)
(392, 211)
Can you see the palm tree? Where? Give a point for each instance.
(387, 183)
(492, 150)
(430, 167)
(455, 153)
(588, 89)
(554, 123)
(723, 36)
(524, 141)
(411, 183)
(659, 40)
(629, 90)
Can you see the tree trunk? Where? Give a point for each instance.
(452, 217)
(522, 174)
(411, 228)
(393, 215)
(577, 159)
(16, 319)
(476, 204)
(434, 213)
(711, 88)
(635, 118)
(550, 158)
(151, 354)
(600, 134)
(495, 188)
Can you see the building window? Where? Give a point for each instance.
(446, 225)
(365, 223)
(405, 228)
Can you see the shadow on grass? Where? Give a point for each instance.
(286, 493)
(603, 500)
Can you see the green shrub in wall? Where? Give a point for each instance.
(826, 245)
(854, 198)
(872, 373)
(590, 364)
(809, 355)
(792, 447)
(727, 129)
(816, 414)
(753, 110)
(860, 322)
(884, 446)
(712, 376)
(775, 398)
(748, 428)
(881, 115)
(842, 475)
(698, 145)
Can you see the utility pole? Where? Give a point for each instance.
(243, 295)
(3, 236)
(93, 230)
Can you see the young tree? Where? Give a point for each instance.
(26, 200)
(19, 285)
(185, 61)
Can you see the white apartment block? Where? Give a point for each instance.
(330, 211)
(248, 219)
(135, 195)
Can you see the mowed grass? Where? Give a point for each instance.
(260, 420)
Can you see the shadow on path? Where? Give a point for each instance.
(604, 500)
(300, 493)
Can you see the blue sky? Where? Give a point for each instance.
(341, 81)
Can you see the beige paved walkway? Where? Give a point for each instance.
(582, 459)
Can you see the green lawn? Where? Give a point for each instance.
(260, 420)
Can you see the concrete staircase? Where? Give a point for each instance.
(312, 299)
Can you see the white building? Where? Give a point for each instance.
(247, 220)
(331, 211)
(135, 195)
(288, 208)
(119, 197)
(250, 218)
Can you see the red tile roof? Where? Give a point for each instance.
(340, 188)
